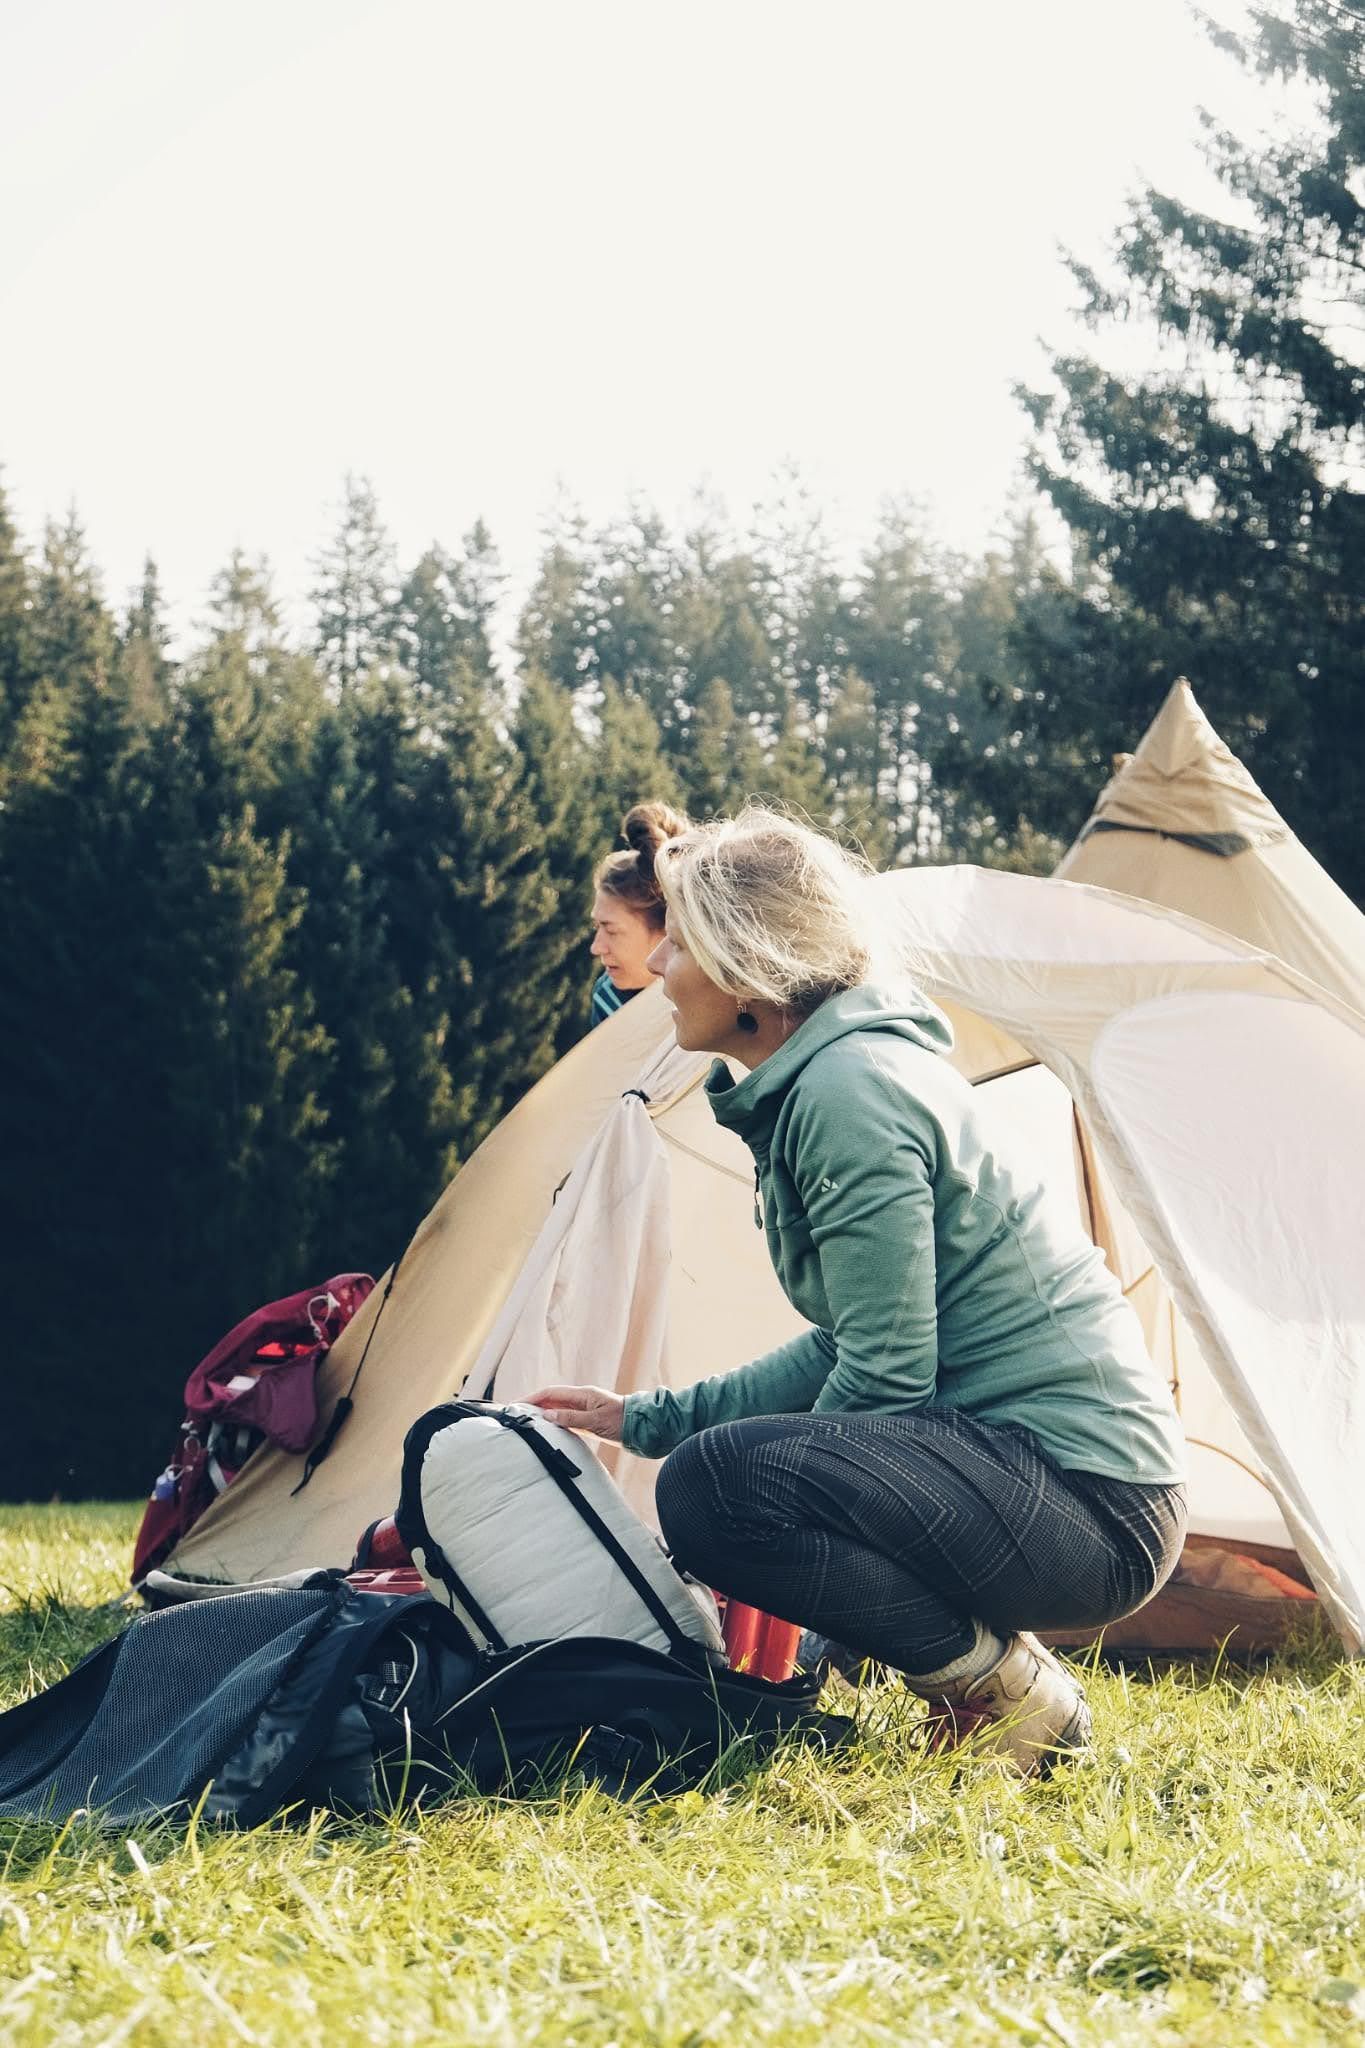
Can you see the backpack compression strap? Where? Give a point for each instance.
(564, 1472)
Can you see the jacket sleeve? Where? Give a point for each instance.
(782, 1382)
(864, 1169)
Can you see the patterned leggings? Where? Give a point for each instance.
(894, 1533)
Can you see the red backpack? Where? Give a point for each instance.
(258, 1385)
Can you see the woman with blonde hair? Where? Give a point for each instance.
(970, 1441)
(628, 907)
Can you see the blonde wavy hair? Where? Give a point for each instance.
(771, 910)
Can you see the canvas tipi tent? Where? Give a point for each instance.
(647, 1266)
(1183, 824)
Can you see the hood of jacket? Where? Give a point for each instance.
(750, 1106)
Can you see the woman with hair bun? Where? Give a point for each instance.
(628, 907)
(970, 1441)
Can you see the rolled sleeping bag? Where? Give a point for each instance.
(518, 1529)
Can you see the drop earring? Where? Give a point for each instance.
(746, 1020)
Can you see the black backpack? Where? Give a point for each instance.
(290, 1698)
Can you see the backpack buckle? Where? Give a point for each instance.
(613, 1749)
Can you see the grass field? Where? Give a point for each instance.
(1201, 1881)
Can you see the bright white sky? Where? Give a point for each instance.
(479, 249)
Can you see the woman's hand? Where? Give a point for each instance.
(591, 1408)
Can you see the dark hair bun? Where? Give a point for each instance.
(630, 875)
(646, 826)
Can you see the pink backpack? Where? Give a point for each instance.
(258, 1385)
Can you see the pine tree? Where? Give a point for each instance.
(16, 624)
(1216, 502)
(247, 1047)
(852, 755)
(802, 595)
(793, 775)
(720, 762)
(628, 763)
(81, 1113)
(159, 1124)
(72, 635)
(248, 1051)
(443, 619)
(483, 581)
(988, 786)
(386, 1095)
(897, 629)
(722, 631)
(637, 634)
(559, 778)
(497, 901)
(472, 904)
(398, 805)
(580, 780)
(262, 699)
(558, 622)
(356, 590)
(243, 608)
(248, 1157)
(468, 902)
(144, 664)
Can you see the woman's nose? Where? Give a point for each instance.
(596, 947)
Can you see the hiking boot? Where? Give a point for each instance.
(1028, 1711)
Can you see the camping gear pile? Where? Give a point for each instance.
(282, 1699)
(551, 1631)
(1192, 1085)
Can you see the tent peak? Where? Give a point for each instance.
(1185, 781)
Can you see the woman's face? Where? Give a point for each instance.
(622, 940)
(704, 1016)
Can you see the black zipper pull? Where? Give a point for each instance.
(758, 1206)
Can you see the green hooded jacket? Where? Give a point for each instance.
(934, 1269)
